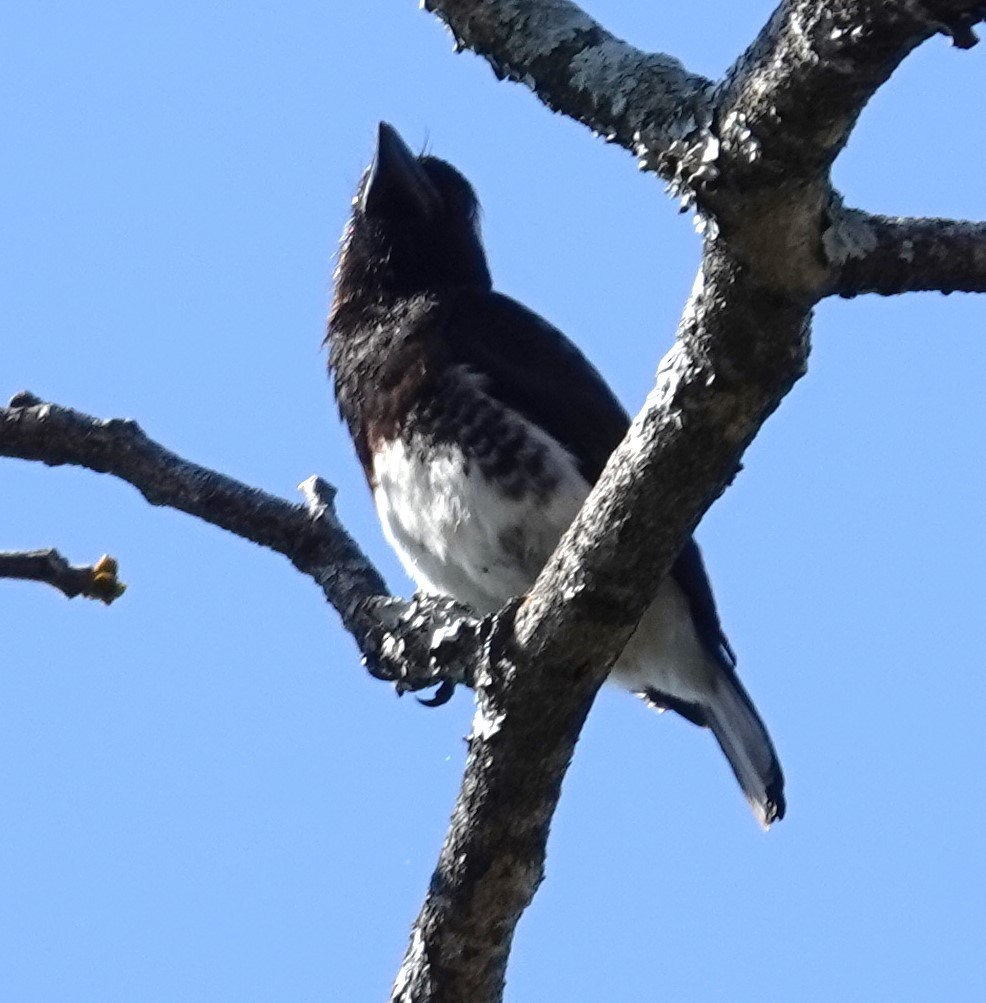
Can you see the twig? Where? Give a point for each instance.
(96, 581)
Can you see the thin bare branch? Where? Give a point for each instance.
(93, 581)
(897, 254)
(427, 641)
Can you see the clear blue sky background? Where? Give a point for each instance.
(203, 796)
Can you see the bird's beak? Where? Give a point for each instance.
(397, 177)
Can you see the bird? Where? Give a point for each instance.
(481, 429)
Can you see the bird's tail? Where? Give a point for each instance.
(741, 734)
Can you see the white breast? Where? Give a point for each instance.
(457, 534)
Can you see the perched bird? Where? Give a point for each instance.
(481, 429)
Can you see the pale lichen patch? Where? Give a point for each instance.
(618, 70)
(848, 235)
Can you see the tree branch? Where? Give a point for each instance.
(798, 90)
(739, 350)
(415, 644)
(96, 581)
(642, 101)
(783, 113)
(897, 254)
(755, 155)
(754, 151)
(742, 343)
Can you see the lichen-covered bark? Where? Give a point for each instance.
(643, 101)
(801, 85)
(894, 254)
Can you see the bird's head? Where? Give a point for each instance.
(414, 228)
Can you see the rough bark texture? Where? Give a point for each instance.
(893, 254)
(752, 153)
(639, 100)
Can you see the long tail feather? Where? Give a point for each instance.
(744, 740)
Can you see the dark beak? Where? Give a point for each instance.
(397, 178)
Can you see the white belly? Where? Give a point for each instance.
(457, 535)
(455, 531)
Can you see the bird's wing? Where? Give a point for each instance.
(690, 574)
(530, 366)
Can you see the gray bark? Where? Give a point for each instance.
(892, 254)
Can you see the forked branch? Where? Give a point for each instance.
(414, 644)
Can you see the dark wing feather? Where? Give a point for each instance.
(533, 368)
(690, 574)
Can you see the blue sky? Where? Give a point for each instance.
(203, 796)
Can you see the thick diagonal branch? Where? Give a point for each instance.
(414, 644)
(897, 254)
(739, 350)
